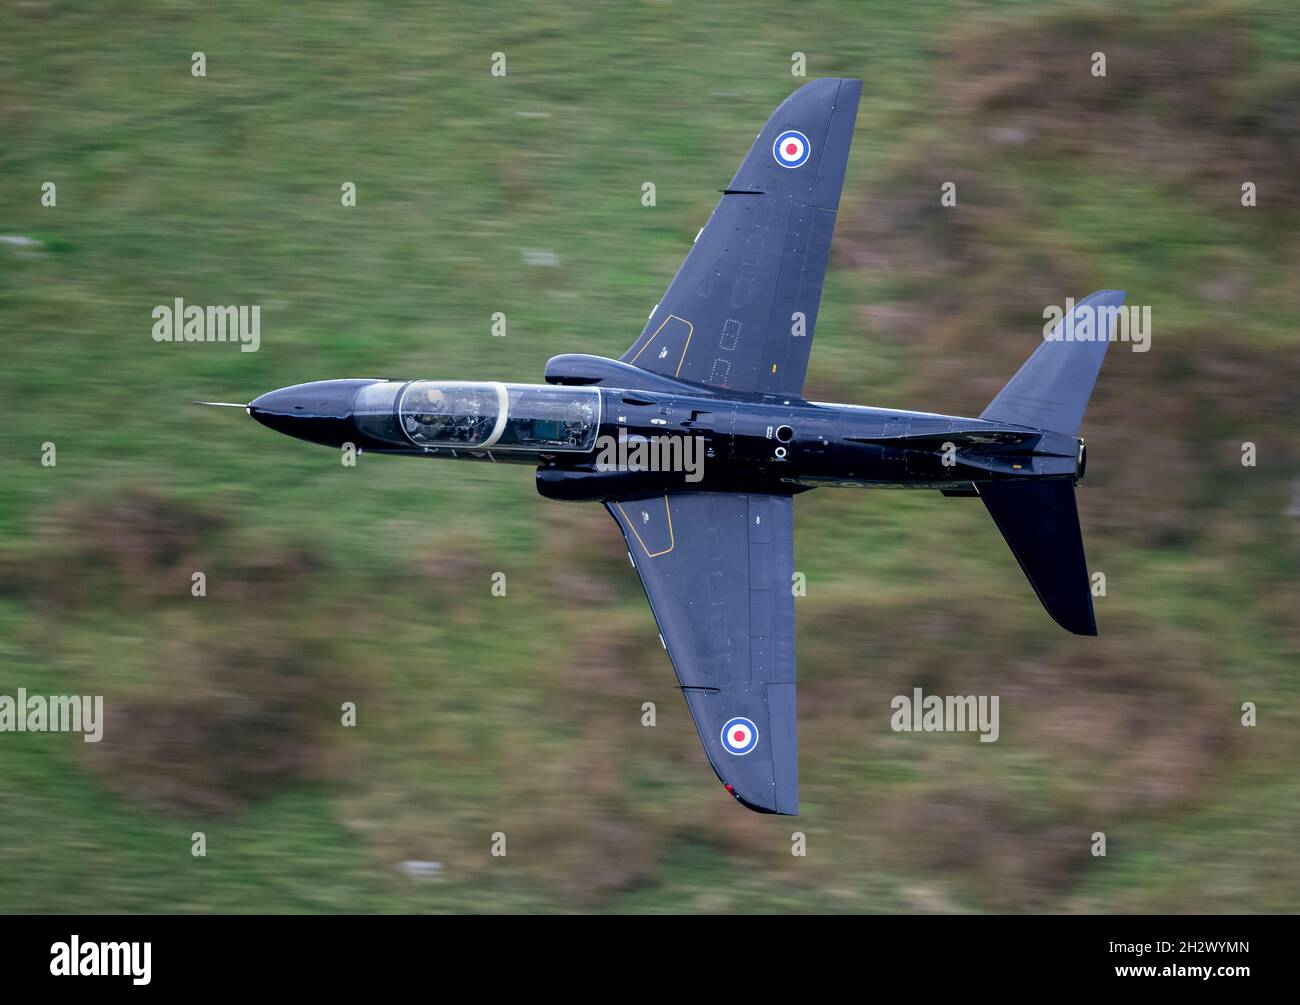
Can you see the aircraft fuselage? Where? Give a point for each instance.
(599, 442)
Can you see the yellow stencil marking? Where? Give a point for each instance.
(632, 524)
(690, 330)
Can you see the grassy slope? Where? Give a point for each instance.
(225, 189)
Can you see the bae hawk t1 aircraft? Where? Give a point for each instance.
(722, 358)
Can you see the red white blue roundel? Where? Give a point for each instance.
(791, 149)
(739, 735)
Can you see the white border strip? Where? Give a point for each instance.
(503, 405)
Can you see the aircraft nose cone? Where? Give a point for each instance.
(320, 411)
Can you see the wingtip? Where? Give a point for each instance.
(1088, 628)
(782, 806)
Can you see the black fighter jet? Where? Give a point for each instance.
(698, 439)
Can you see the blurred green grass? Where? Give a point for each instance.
(521, 714)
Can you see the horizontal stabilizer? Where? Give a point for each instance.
(1040, 522)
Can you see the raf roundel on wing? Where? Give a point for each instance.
(791, 149)
(739, 735)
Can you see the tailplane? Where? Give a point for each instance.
(1040, 522)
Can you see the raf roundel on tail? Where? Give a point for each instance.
(791, 149)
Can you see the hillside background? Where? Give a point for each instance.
(522, 714)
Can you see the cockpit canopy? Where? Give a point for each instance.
(481, 416)
(460, 415)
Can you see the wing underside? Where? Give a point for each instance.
(741, 310)
(717, 569)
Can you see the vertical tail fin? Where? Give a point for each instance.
(1039, 518)
(1051, 390)
(1040, 522)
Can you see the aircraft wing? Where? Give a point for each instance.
(741, 310)
(717, 570)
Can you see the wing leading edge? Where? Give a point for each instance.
(717, 569)
(741, 310)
